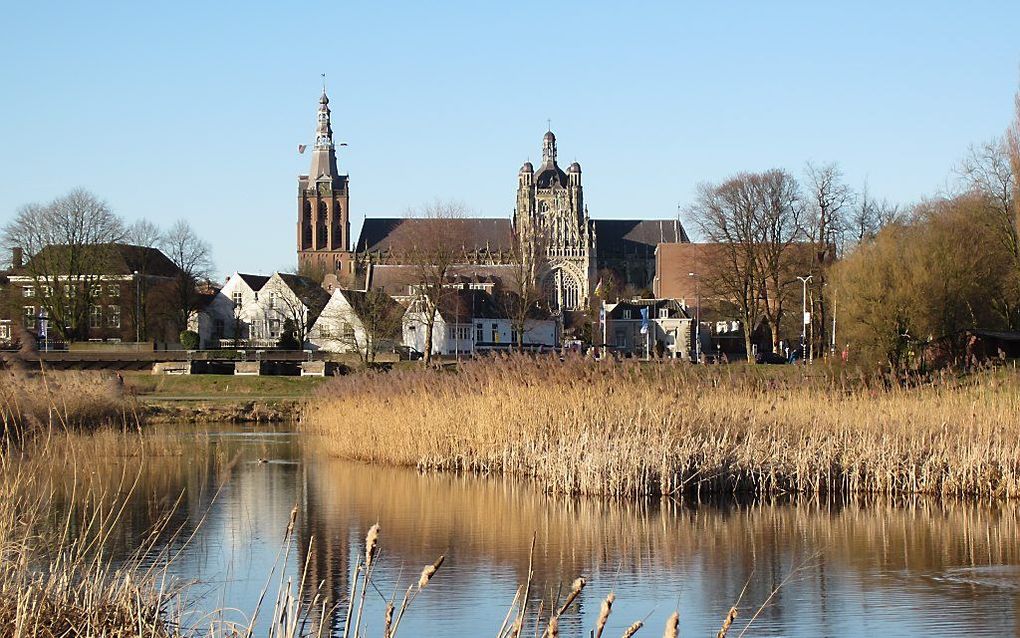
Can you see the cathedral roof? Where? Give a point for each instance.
(487, 234)
(620, 237)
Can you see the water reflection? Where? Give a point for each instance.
(906, 568)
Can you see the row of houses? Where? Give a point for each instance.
(126, 304)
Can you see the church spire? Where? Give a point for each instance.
(323, 152)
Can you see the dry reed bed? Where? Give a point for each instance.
(35, 403)
(619, 430)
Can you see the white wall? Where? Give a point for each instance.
(327, 333)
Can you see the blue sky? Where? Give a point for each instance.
(195, 110)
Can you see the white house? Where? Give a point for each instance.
(227, 316)
(356, 321)
(470, 321)
(253, 311)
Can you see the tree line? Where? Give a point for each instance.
(69, 244)
(905, 284)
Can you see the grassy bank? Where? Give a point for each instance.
(623, 430)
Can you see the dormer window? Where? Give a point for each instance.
(626, 314)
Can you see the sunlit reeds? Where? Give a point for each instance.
(613, 429)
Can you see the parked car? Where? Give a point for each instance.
(407, 353)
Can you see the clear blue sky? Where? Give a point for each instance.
(195, 110)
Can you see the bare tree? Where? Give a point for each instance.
(727, 217)
(192, 256)
(828, 202)
(779, 228)
(68, 244)
(520, 296)
(432, 241)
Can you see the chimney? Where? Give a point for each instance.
(17, 257)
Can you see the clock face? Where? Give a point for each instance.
(323, 188)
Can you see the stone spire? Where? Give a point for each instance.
(323, 152)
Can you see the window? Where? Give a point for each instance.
(451, 333)
(47, 291)
(626, 314)
(621, 338)
(272, 299)
(515, 335)
(479, 333)
(495, 333)
(28, 291)
(97, 290)
(5, 330)
(463, 333)
(96, 317)
(218, 329)
(238, 297)
(113, 290)
(113, 316)
(274, 328)
(663, 313)
(29, 317)
(347, 330)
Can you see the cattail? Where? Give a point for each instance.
(633, 629)
(575, 591)
(672, 626)
(553, 630)
(730, 617)
(429, 572)
(389, 620)
(371, 543)
(607, 607)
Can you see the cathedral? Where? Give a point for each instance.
(575, 253)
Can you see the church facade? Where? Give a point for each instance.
(574, 252)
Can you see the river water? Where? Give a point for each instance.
(803, 568)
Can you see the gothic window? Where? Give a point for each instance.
(321, 226)
(306, 227)
(571, 293)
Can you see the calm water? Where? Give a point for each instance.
(861, 569)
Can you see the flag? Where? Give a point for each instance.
(598, 288)
(301, 148)
(602, 313)
(644, 320)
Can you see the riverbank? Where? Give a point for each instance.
(210, 398)
(608, 429)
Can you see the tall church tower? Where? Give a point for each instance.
(552, 218)
(323, 225)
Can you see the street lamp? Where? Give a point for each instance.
(803, 317)
(697, 324)
(138, 309)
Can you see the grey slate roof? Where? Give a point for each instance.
(311, 294)
(620, 237)
(110, 259)
(255, 282)
(378, 234)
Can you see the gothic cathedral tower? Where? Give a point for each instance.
(324, 227)
(552, 218)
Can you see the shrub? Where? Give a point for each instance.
(190, 340)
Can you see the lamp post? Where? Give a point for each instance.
(804, 317)
(138, 309)
(697, 320)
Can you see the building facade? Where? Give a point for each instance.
(552, 222)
